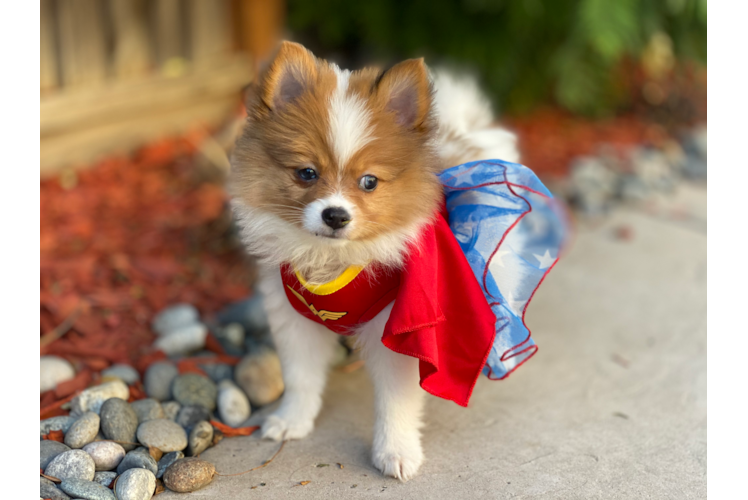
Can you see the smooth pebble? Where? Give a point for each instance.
(119, 422)
(92, 398)
(174, 317)
(162, 434)
(233, 333)
(86, 490)
(201, 437)
(47, 489)
(194, 389)
(233, 405)
(73, 464)
(190, 415)
(139, 458)
(189, 474)
(147, 409)
(55, 424)
(48, 450)
(184, 340)
(52, 371)
(158, 379)
(83, 430)
(166, 461)
(218, 371)
(171, 409)
(126, 373)
(105, 478)
(136, 484)
(249, 312)
(106, 455)
(259, 375)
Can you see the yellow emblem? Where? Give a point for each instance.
(323, 315)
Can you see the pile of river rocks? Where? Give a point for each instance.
(599, 182)
(131, 446)
(155, 441)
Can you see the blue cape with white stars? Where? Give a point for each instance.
(511, 230)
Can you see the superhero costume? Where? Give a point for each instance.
(461, 295)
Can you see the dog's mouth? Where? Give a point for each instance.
(337, 234)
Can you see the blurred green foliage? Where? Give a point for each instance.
(526, 51)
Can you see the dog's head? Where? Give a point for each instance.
(340, 155)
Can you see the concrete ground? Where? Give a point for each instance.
(612, 406)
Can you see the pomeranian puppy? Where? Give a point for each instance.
(335, 170)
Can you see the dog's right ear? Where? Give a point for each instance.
(292, 72)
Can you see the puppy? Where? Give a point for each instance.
(335, 170)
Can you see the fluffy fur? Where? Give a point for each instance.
(305, 113)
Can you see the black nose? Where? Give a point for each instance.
(336, 217)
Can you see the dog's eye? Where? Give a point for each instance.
(307, 174)
(368, 183)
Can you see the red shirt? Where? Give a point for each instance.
(440, 314)
(355, 297)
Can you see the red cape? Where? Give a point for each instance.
(440, 314)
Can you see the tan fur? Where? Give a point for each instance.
(280, 138)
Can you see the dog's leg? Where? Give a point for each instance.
(398, 401)
(305, 350)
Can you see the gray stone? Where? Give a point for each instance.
(250, 313)
(166, 461)
(593, 185)
(83, 430)
(139, 458)
(175, 317)
(201, 437)
(147, 409)
(158, 379)
(126, 373)
(92, 398)
(184, 340)
(190, 415)
(52, 371)
(49, 450)
(47, 489)
(86, 490)
(119, 422)
(105, 478)
(73, 464)
(233, 333)
(171, 409)
(55, 424)
(136, 484)
(163, 434)
(194, 389)
(233, 405)
(106, 455)
(218, 371)
(260, 377)
(653, 168)
(632, 188)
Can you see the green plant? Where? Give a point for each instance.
(525, 51)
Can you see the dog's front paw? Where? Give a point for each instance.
(280, 428)
(401, 462)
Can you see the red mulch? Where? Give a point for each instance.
(549, 139)
(131, 237)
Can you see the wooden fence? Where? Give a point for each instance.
(117, 73)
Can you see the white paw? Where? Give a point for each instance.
(280, 428)
(401, 462)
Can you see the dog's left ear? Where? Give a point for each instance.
(406, 91)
